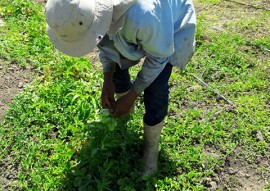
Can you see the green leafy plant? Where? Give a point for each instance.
(56, 136)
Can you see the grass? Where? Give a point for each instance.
(55, 135)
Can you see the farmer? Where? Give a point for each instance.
(161, 31)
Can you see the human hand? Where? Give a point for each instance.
(107, 96)
(124, 104)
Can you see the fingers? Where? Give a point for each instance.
(103, 103)
(116, 113)
(108, 103)
(121, 106)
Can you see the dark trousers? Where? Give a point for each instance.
(156, 96)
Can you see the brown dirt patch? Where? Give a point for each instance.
(9, 175)
(237, 173)
(235, 16)
(13, 79)
(41, 2)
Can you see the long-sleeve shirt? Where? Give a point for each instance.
(162, 31)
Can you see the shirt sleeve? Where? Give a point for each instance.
(108, 55)
(157, 40)
(107, 64)
(151, 68)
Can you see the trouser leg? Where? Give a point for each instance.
(121, 80)
(156, 106)
(156, 98)
(122, 84)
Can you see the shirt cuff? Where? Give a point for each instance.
(150, 70)
(108, 67)
(139, 86)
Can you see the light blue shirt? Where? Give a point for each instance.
(162, 31)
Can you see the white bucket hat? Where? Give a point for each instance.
(76, 26)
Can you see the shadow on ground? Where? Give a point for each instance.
(111, 160)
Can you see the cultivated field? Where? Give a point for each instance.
(55, 136)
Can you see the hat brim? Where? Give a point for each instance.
(84, 45)
(88, 40)
(103, 17)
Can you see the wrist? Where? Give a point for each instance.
(108, 76)
(132, 94)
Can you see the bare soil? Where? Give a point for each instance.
(13, 79)
(236, 174)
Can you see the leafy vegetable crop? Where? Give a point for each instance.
(56, 136)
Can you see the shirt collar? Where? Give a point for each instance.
(120, 8)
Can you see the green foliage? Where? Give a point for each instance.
(67, 133)
(24, 39)
(210, 1)
(56, 136)
(19, 9)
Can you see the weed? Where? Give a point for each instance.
(56, 136)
